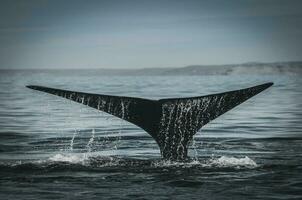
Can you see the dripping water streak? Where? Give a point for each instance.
(72, 139)
(89, 144)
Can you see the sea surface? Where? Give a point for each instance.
(51, 148)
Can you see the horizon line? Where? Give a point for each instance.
(144, 68)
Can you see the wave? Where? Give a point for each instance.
(87, 162)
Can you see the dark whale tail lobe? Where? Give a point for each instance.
(171, 122)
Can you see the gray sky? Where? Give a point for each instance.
(141, 34)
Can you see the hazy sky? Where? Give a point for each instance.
(140, 34)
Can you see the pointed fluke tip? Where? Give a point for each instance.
(32, 87)
(35, 87)
(260, 88)
(267, 85)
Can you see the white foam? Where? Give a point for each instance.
(84, 159)
(225, 161)
(221, 162)
(168, 163)
(71, 158)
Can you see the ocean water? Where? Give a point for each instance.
(51, 148)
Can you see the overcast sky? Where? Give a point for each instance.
(141, 34)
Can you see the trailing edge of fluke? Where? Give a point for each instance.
(171, 122)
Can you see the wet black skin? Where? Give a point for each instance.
(171, 122)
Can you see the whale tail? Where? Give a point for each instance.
(171, 122)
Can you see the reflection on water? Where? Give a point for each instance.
(51, 147)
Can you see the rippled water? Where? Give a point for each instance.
(53, 148)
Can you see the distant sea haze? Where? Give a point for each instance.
(229, 69)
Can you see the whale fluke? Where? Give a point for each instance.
(171, 122)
